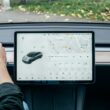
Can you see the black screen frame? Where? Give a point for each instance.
(49, 82)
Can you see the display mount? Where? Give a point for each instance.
(54, 56)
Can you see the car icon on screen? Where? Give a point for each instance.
(31, 57)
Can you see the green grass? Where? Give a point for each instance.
(87, 9)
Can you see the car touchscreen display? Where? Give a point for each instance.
(54, 56)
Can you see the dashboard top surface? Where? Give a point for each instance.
(101, 30)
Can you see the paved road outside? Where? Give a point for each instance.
(18, 16)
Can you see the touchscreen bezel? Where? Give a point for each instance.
(48, 82)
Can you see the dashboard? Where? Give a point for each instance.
(61, 96)
(101, 32)
(102, 38)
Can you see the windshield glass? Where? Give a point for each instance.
(54, 11)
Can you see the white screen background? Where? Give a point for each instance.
(66, 56)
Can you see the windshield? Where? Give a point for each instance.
(54, 11)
